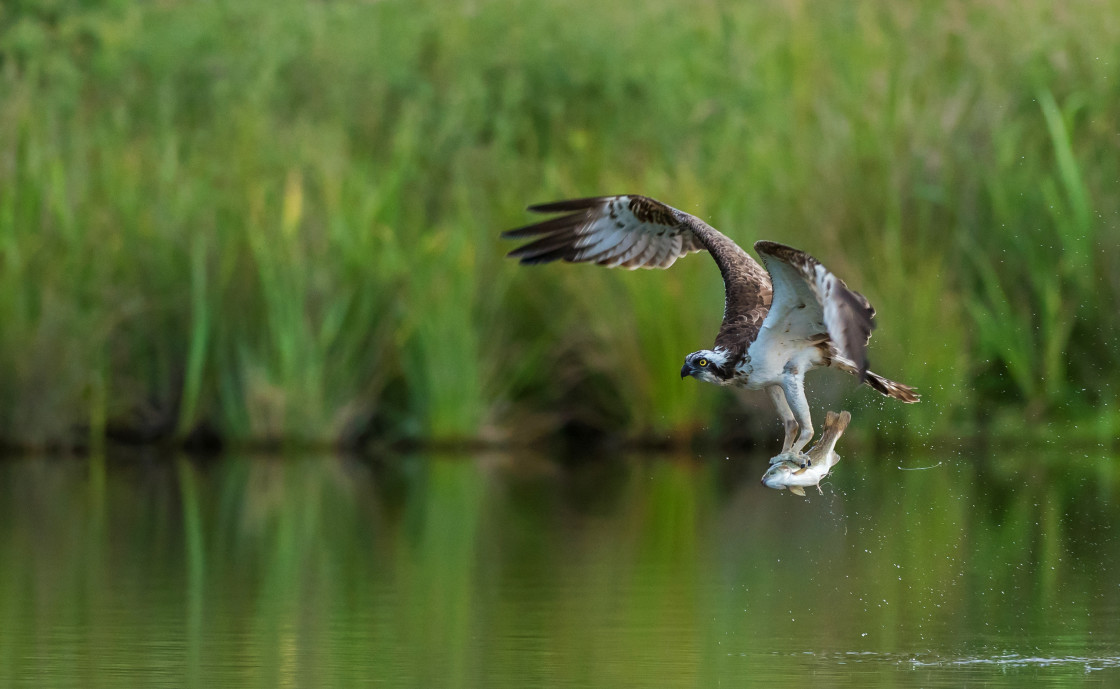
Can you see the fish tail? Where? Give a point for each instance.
(836, 423)
(834, 426)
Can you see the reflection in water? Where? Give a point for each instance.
(499, 570)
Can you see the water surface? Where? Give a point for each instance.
(521, 571)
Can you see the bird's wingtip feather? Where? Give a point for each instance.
(566, 205)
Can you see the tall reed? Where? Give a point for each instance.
(279, 221)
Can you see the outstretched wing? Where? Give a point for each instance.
(809, 301)
(638, 232)
(613, 231)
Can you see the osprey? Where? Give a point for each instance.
(778, 323)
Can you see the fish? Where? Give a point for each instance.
(786, 470)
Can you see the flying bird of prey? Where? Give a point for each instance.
(778, 323)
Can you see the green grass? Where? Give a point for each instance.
(279, 220)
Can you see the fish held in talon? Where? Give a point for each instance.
(782, 317)
(786, 471)
(799, 458)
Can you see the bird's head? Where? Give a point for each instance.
(709, 366)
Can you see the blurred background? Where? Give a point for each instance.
(277, 222)
(262, 225)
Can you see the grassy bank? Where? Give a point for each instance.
(278, 221)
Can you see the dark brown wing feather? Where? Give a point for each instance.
(748, 292)
(639, 232)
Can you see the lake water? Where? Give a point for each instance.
(497, 570)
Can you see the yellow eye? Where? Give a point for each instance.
(703, 362)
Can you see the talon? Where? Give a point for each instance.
(784, 457)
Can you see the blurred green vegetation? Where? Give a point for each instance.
(277, 221)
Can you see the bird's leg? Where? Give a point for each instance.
(793, 384)
(778, 397)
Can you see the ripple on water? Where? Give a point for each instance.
(1013, 660)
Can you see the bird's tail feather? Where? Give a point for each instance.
(888, 387)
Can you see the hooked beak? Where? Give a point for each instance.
(686, 371)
